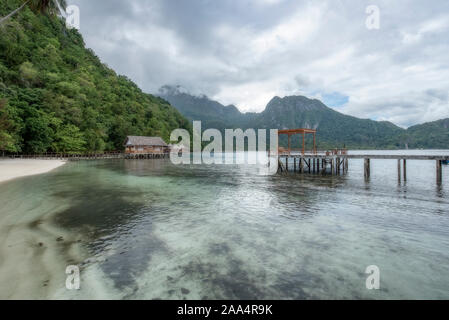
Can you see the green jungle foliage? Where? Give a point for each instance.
(57, 96)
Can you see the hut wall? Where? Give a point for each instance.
(146, 149)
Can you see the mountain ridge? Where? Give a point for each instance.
(335, 129)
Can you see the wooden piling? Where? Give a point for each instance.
(337, 171)
(405, 170)
(399, 170)
(367, 169)
(439, 172)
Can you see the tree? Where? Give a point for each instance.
(38, 134)
(6, 140)
(13, 12)
(48, 6)
(41, 6)
(69, 139)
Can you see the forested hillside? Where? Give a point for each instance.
(56, 95)
(435, 134)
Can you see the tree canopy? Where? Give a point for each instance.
(56, 95)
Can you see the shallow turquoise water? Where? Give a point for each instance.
(154, 230)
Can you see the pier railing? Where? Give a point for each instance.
(330, 152)
(87, 155)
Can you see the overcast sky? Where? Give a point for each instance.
(245, 52)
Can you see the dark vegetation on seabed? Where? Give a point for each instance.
(334, 128)
(57, 96)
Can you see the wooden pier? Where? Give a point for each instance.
(337, 163)
(313, 163)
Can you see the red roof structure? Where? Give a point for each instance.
(303, 132)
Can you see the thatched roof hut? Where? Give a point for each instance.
(139, 144)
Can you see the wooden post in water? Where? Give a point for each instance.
(314, 165)
(301, 165)
(367, 169)
(405, 169)
(332, 166)
(286, 164)
(294, 161)
(303, 143)
(439, 172)
(399, 170)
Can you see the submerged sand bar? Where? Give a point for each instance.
(11, 169)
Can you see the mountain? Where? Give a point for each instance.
(212, 113)
(334, 128)
(434, 134)
(56, 95)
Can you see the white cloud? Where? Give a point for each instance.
(436, 25)
(246, 52)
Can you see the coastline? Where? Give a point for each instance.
(16, 168)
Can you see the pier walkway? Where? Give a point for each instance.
(337, 162)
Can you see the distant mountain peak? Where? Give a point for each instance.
(298, 103)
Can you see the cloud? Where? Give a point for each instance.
(433, 26)
(245, 52)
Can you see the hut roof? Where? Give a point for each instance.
(145, 141)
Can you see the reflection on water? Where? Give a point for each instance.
(159, 231)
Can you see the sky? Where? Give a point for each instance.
(245, 52)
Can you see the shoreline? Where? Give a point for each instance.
(17, 168)
(35, 251)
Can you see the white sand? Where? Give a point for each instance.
(28, 247)
(11, 169)
(34, 252)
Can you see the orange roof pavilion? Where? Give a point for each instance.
(303, 132)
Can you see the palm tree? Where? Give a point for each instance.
(41, 6)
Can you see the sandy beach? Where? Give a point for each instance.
(11, 169)
(27, 244)
(34, 251)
